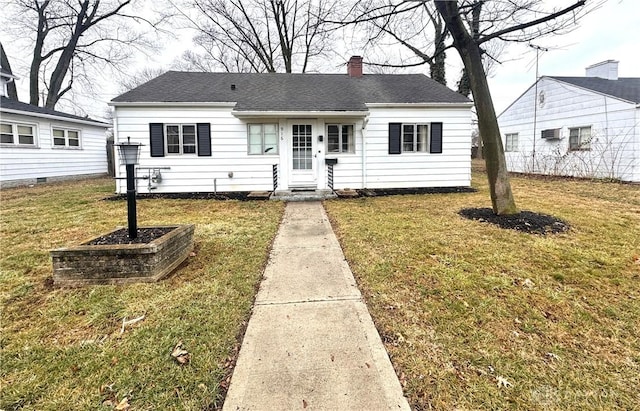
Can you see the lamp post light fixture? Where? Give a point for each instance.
(129, 153)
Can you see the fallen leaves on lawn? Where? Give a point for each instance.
(126, 322)
(123, 405)
(502, 382)
(181, 355)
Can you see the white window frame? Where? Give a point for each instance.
(582, 145)
(262, 141)
(511, 142)
(16, 135)
(425, 147)
(181, 144)
(65, 131)
(351, 145)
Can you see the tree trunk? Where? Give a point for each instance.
(499, 185)
(11, 86)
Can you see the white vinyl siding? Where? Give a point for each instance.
(63, 137)
(18, 134)
(233, 166)
(262, 138)
(612, 149)
(25, 163)
(340, 138)
(511, 142)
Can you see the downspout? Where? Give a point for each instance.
(365, 121)
(116, 159)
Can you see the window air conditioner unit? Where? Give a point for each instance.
(551, 134)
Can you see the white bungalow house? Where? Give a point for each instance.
(277, 132)
(38, 144)
(576, 126)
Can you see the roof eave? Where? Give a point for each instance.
(171, 103)
(55, 117)
(421, 105)
(299, 114)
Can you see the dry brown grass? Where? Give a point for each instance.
(62, 348)
(478, 317)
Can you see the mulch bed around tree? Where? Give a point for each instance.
(121, 236)
(525, 221)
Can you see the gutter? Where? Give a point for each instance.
(54, 117)
(300, 114)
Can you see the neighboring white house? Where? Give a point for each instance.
(583, 126)
(263, 132)
(38, 144)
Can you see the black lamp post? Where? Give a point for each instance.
(129, 156)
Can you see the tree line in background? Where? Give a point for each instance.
(73, 40)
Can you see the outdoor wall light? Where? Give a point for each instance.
(129, 153)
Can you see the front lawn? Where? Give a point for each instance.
(478, 317)
(63, 349)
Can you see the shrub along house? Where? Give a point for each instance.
(576, 126)
(278, 132)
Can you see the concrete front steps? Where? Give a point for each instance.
(302, 195)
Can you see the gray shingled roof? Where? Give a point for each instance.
(292, 92)
(7, 103)
(627, 88)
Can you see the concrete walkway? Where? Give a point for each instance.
(310, 343)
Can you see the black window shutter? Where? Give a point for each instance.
(156, 139)
(204, 139)
(436, 138)
(394, 138)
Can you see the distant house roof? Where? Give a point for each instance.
(9, 105)
(626, 88)
(291, 92)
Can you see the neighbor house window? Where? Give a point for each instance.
(340, 138)
(263, 138)
(181, 138)
(511, 142)
(415, 138)
(63, 137)
(580, 138)
(18, 134)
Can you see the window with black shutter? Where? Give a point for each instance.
(435, 146)
(415, 138)
(156, 139)
(394, 138)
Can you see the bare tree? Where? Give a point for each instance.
(11, 87)
(419, 29)
(72, 39)
(260, 36)
(506, 20)
(474, 25)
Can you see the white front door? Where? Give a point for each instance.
(303, 167)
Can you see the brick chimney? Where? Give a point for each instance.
(354, 66)
(607, 69)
